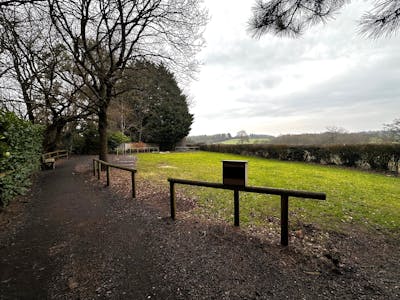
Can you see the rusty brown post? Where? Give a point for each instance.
(133, 184)
(284, 220)
(172, 199)
(108, 174)
(236, 207)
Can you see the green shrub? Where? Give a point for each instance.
(86, 140)
(116, 138)
(384, 157)
(20, 152)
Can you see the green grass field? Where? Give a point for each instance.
(366, 200)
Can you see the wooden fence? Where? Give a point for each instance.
(285, 194)
(97, 163)
(55, 154)
(49, 158)
(137, 150)
(187, 148)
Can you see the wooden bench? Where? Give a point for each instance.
(48, 163)
(49, 158)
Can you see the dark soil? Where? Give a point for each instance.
(74, 238)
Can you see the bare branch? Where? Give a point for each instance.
(9, 3)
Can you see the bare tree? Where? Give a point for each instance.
(104, 36)
(292, 17)
(333, 133)
(243, 137)
(394, 130)
(38, 64)
(17, 41)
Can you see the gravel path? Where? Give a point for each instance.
(76, 239)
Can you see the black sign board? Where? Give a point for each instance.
(234, 172)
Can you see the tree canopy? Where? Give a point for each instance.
(156, 111)
(293, 17)
(73, 53)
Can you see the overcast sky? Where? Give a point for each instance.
(331, 76)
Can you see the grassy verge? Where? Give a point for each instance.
(371, 201)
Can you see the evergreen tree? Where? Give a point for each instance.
(157, 111)
(168, 120)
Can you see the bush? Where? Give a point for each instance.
(86, 141)
(116, 138)
(384, 157)
(20, 152)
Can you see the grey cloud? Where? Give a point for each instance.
(263, 83)
(370, 85)
(250, 55)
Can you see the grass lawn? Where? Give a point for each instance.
(370, 201)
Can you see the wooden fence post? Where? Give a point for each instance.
(133, 184)
(94, 167)
(284, 220)
(108, 174)
(236, 207)
(172, 199)
(98, 169)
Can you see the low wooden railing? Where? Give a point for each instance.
(285, 194)
(187, 148)
(55, 154)
(49, 158)
(97, 163)
(138, 150)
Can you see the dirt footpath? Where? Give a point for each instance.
(77, 239)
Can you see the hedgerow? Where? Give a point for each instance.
(20, 150)
(380, 157)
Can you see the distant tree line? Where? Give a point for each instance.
(209, 139)
(333, 136)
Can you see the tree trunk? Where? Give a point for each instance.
(49, 137)
(140, 134)
(103, 124)
(52, 135)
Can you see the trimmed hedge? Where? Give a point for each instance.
(20, 151)
(372, 156)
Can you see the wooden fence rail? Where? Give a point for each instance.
(55, 154)
(285, 194)
(138, 150)
(188, 148)
(97, 163)
(49, 158)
